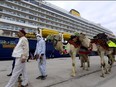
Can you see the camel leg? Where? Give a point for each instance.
(81, 60)
(88, 63)
(102, 64)
(111, 61)
(84, 60)
(113, 54)
(112, 58)
(73, 67)
(83, 64)
(102, 68)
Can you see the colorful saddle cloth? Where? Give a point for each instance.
(111, 43)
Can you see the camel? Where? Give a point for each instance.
(85, 44)
(103, 49)
(73, 47)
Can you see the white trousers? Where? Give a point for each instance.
(42, 66)
(20, 68)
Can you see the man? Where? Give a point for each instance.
(40, 56)
(21, 53)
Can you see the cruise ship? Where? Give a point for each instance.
(48, 18)
(33, 14)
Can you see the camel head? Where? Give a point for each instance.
(84, 40)
(56, 39)
(82, 36)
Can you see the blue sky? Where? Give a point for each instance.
(101, 12)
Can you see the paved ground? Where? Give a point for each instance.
(59, 70)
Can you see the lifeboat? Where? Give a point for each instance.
(31, 35)
(46, 32)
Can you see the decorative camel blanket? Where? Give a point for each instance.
(74, 43)
(111, 43)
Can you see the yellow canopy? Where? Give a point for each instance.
(46, 32)
(66, 35)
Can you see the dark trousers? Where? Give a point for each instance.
(13, 65)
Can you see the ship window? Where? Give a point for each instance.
(1, 9)
(30, 30)
(17, 28)
(0, 16)
(1, 2)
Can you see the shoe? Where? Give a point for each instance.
(24, 86)
(43, 77)
(9, 74)
(81, 66)
(39, 77)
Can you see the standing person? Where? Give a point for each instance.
(41, 57)
(21, 53)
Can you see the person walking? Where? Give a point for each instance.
(21, 53)
(41, 57)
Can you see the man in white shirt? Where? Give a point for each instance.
(21, 53)
(41, 57)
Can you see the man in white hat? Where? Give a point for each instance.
(41, 57)
(21, 53)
